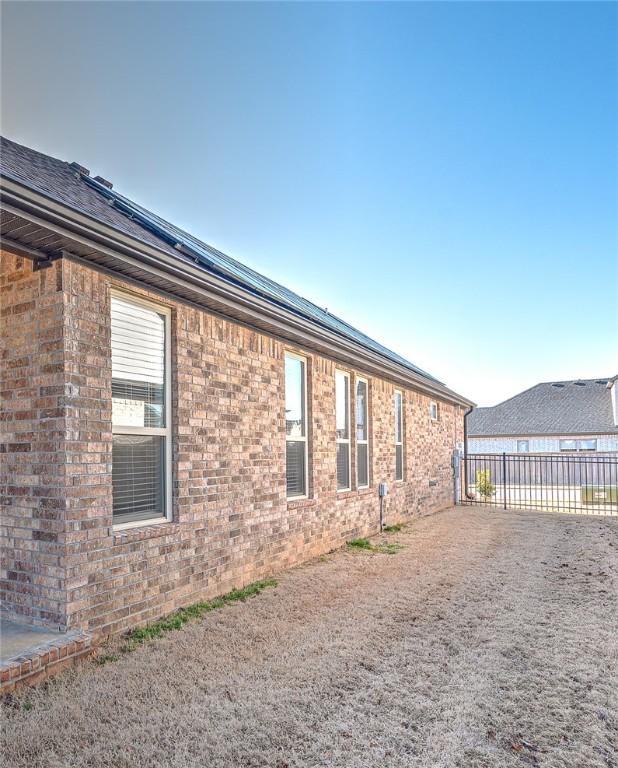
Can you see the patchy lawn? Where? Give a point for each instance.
(489, 639)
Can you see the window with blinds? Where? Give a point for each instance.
(140, 410)
(362, 434)
(398, 402)
(296, 425)
(342, 419)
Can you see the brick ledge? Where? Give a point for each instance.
(44, 660)
(129, 535)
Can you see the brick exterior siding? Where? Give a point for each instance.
(63, 563)
(32, 441)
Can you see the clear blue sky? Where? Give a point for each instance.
(443, 176)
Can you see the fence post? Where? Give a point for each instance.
(504, 478)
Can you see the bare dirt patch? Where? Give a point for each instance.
(489, 639)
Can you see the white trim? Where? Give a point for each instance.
(165, 432)
(140, 523)
(161, 431)
(578, 442)
(434, 404)
(302, 438)
(366, 441)
(344, 440)
(399, 442)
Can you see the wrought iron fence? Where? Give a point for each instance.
(551, 482)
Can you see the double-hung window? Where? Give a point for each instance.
(398, 404)
(342, 419)
(362, 434)
(141, 411)
(296, 425)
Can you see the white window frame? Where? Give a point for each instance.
(303, 438)
(578, 444)
(523, 450)
(434, 408)
(400, 442)
(588, 440)
(166, 431)
(344, 440)
(366, 441)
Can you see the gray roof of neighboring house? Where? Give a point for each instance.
(551, 408)
(64, 183)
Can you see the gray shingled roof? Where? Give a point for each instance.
(59, 181)
(552, 408)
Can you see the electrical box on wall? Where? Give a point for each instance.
(382, 490)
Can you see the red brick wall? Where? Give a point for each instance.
(32, 433)
(231, 521)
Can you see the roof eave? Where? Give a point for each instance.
(86, 230)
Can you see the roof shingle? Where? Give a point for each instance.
(551, 408)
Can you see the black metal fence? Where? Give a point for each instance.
(584, 484)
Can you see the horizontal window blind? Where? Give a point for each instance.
(398, 401)
(138, 477)
(140, 423)
(295, 468)
(362, 434)
(399, 462)
(343, 466)
(295, 426)
(138, 342)
(362, 464)
(342, 427)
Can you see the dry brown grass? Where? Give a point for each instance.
(491, 639)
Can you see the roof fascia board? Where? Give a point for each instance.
(49, 214)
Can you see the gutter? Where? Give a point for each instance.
(153, 261)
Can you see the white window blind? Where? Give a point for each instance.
(140, 410)
(398, 401)
(342, 418)
(296, 426)
(362, 434)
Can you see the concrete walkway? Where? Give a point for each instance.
(19, 639)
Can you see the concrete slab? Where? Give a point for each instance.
(18, 639)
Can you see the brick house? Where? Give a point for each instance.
(174, 424)
(578, 416)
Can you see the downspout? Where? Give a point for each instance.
(465, 462)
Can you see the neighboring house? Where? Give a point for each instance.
(175, 424)
(554, 417)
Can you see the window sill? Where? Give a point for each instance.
(355, 492)
(149, 530)
(300, 503)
